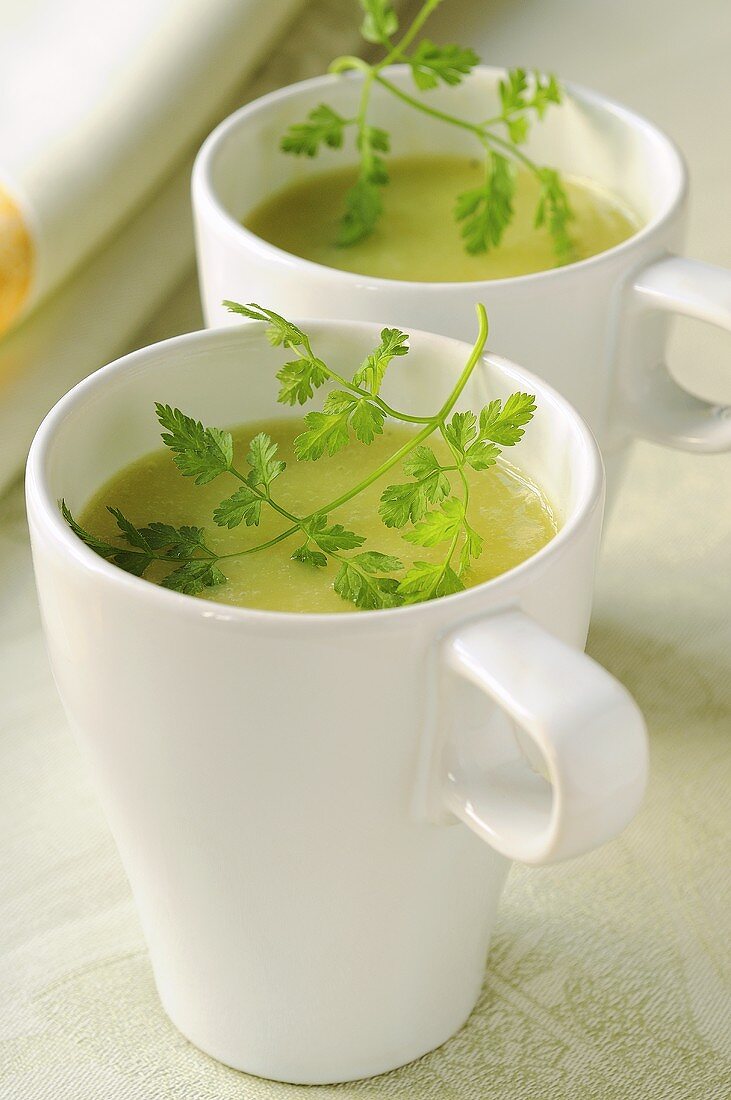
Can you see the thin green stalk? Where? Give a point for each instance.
(426, 109)
(255, 549)
(410, 34)
(346, 62)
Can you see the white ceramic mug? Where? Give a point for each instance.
(596, 330)
(317, 812)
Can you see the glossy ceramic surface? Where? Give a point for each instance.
(317, 812)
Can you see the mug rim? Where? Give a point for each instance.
(204, 191)
(42, 505)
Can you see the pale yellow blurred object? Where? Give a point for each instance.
(97, 102)
(16, 260)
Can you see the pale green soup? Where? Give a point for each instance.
(418, 239)
(506, 508)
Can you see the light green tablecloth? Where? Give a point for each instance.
(608, 976)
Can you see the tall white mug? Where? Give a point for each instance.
(596, 330)
(317, 812)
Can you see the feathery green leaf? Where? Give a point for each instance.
(198, 452)
(324, 126)
(431, 64)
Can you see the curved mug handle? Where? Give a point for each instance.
(657, 407)
(559, 765)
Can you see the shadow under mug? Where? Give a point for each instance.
(317, 812)
(595, 330)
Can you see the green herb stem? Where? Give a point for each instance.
(410, 34)
(425, 109)
(348, 62)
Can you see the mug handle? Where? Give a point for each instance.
(569, 719)
(659, 408)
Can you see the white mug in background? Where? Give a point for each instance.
(595, 330)
(317, 812)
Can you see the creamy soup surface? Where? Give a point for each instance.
(418, 239)
(509, 511)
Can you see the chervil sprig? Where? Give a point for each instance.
(432, 506)
(485, 211)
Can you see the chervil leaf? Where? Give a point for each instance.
(513, 91)
(372, 139)
(326, 432)
(265, 467)
(339, 401)
(461, 430)
(427, 581)
(424, 465)
(370, 374)
(129, 532)
(517, 129)
(279, 329)
(300, 379)
(431, 63)
(309, 557)
(363, 205)
(481, 455)
(329, 430)
(504, 424)
(243, 507)
(193, 577)
(367, 592)
(546, 91)
(363, 208)
(323, 127)
(409, 501)
(438, 526)
(517, 100)
(92, 541)
(175, 542)
(332, 538)
(554, 211)
(402, 503)
(200, 453)
(487, 210)
(367, 421)
(371, 561)
(132, 561)
(472, 546)
(379, 21)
